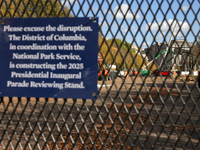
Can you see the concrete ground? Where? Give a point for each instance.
(145, 113)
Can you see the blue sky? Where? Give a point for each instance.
(134, 28)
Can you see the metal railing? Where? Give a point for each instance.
(136, 109)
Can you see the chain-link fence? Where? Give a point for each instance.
(148, 92)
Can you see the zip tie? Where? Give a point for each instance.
(94, 19)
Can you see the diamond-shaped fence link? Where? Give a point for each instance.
(148, 87)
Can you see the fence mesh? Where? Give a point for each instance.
(149, 100)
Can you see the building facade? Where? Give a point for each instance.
(177, 55)
(184, 58)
